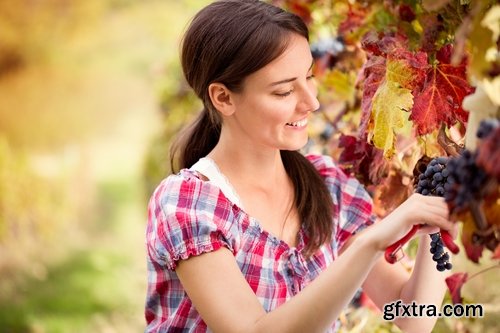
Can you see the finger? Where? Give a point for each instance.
(437, 202)
(437, 219)
(428, 229)
(439, 211)
(454, 230)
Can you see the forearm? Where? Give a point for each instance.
(316, 307)
(426, 285)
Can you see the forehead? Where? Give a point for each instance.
(294, 62)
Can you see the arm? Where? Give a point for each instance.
(227, 304)
(425, 285)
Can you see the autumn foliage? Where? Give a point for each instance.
(412, 81)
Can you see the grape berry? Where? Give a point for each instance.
(435, 181)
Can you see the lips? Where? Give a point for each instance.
(300, 123)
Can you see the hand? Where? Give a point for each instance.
(429, 229)
(417, 209)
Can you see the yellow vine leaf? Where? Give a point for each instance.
(390, 103)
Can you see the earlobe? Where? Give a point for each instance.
(221, 98)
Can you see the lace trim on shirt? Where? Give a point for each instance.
(207, 167)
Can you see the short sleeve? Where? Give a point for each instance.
(352, 203)
(186, 217)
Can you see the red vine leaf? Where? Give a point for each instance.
(373, 73)
(391, 193)
(440, 100)
(378, 44)
(416, 61)
(362, 159)
(455, 283)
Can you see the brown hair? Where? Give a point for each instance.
(227, 41)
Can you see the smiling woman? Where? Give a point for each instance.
(250, 235)
(270, 112)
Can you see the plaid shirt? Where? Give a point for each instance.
(188, 216)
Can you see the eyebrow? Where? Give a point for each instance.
(290, 79)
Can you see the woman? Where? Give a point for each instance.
(251, 236)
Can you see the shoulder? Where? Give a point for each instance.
(187, 216)
(186, 190)
(184, 198)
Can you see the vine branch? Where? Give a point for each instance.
(450, 146)
(483, 271)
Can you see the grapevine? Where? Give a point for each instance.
(463, 183)
(403, 83)
(419, 91)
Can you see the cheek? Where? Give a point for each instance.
(276, 110)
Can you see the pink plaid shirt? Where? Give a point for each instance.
(188, 216)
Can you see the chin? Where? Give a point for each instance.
(295, 145)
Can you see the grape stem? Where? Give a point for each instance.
(450, 146)
(483, 271)
(478, 214)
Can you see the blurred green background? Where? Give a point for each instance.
(84, 89)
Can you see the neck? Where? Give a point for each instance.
(248, 163)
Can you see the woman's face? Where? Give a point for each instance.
(273, 107)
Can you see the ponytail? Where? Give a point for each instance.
(195, 142)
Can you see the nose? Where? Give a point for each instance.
(309, 101)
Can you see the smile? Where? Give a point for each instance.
(300, 123)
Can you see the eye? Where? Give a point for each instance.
(285, 94)
(310, 77)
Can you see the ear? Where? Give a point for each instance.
(221, 98)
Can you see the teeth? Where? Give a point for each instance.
(300, 123)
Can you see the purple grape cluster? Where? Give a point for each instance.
(435, 181)
(487, 126)
(467, 180)
(438, 255)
